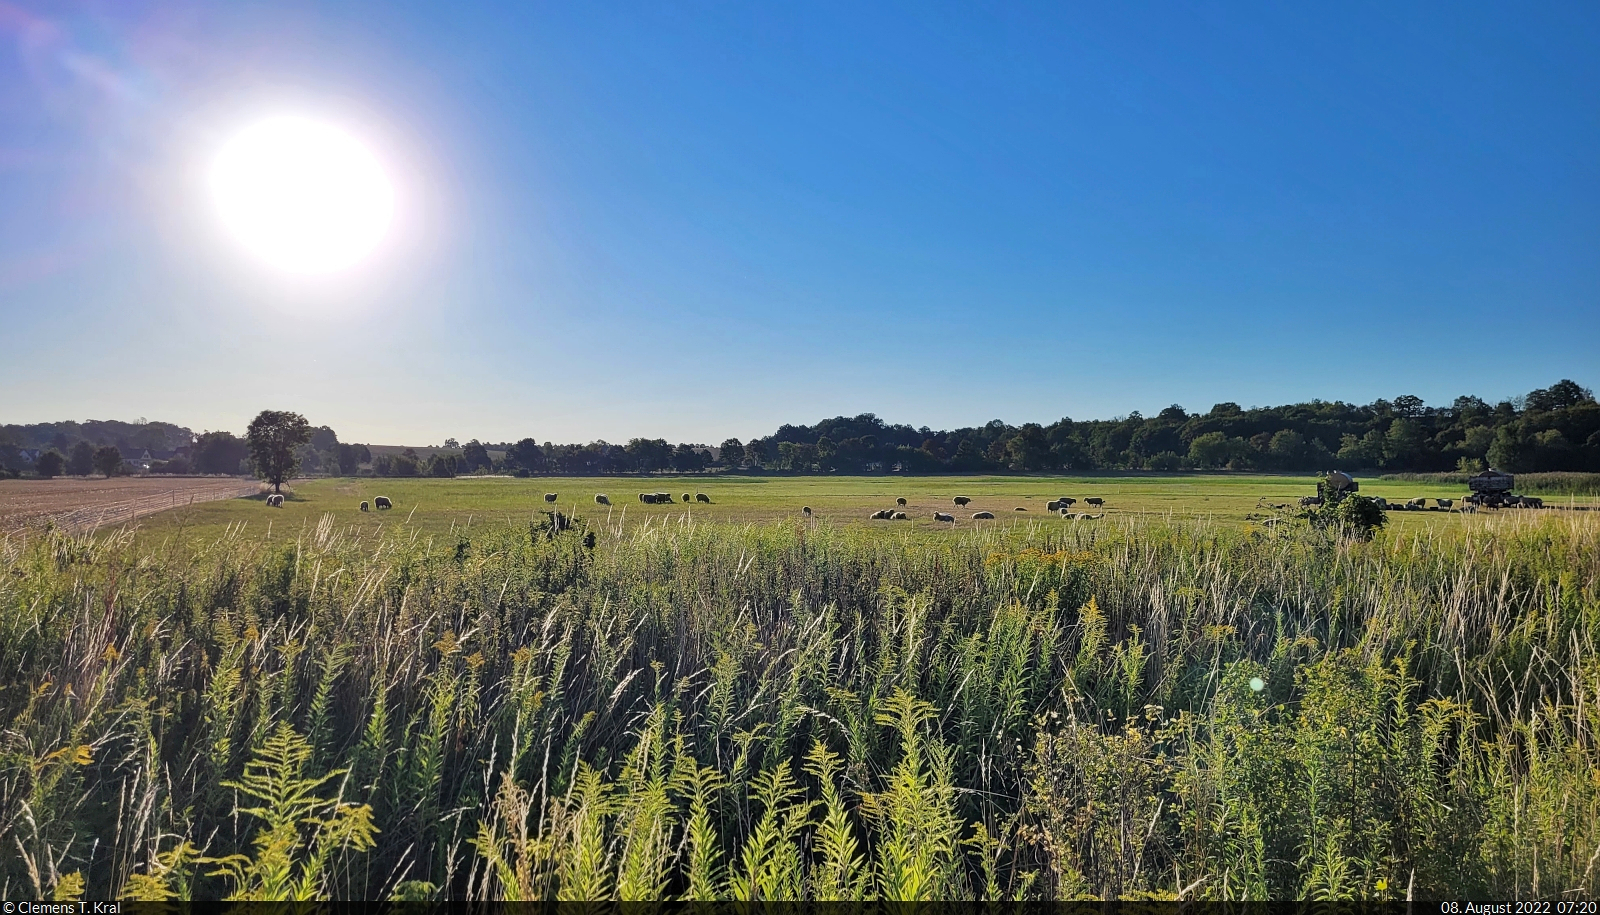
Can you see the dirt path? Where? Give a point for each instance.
(78, 504)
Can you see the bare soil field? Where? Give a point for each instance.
(78, 502)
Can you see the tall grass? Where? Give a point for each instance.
(1141, 710)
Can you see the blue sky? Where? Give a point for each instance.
(700, 220)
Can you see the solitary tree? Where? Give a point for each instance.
(273, 437)
(80, 460)
(50, 464)
(108, 460)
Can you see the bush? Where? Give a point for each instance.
(1166, 460)
(1357, 516)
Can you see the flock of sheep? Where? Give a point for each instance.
(1411, 505)
(1062, 506)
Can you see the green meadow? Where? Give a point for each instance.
(435, 505)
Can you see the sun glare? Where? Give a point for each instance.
(302, 195)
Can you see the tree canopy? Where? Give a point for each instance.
(273, 437)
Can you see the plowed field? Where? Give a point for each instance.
(80, 502)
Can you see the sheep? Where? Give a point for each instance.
(806, 510)
(881, 514)
(899, 516)
(382, 503)
(941, 516)
(366, 507)
(1096, 501)
(1445, 503)
(275, 500)
(665, 498)
(1309, 501)
(900, 502)
(588, 540)
(1067, 501)
(602, 499)
(983, 516)
(686, 499)
(648, 498)
(961, 501)
(1381, 502)
(1416, 503)
(549, 497)
(702, 497)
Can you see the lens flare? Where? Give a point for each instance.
(302, 195)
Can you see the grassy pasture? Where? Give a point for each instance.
(432, 505)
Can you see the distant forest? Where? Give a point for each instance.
(1550, 429)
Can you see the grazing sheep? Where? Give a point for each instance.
(275, 500)
(900, 502)
(549, 497)
(381, 503)
(1096, 501)
(648, 498)
(806, 510)
(899, 516)
(1067, 500)
(686, 499)
(665, 498)
(1445, 503)
(961, 500)
(702, 497)
(602, 499)
(983, 516)
(1309, 501)
(1054, 505)
(365, 507)
(941, 516)
(881, 514)
(1067, 513)
(1416, 503)
(588, 540)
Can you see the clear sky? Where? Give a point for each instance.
(695, 220)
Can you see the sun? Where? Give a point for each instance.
(302, 195)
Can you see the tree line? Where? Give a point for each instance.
(1549, 429)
